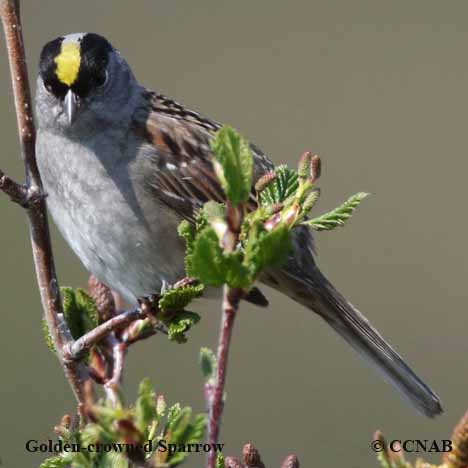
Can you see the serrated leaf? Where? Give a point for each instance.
(79, 310)
(91, 433)
(112, 459)
(176, 299)
(197, 429)
(46, 335)
(267, 248)
(236, 273)
(214, 213)
(211, 266)
(172, 413)
(161, 406)
(68, 297)
(186, 432)
(88, 310)
(213, 210)
(145, 406)
(187, 232)
(54, 462)
(338, 216)
(310, 201)
(284, 186)
(207, 258)
(233, 164)
(383, 460)
(179, 423)
(181, 324)
(71, 312)
(77, 460)
(208, 363)
(219, 460)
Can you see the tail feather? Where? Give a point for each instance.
(318, 294)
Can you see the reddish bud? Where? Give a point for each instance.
(264, 181)
(251, 457)
(231, 462)
(103, 297)
(291, 461)
(315, 168)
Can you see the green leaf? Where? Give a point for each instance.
(233, 164)
(91, 433)
(54, 462)
(80, 311)
(135, 424)
(214, 215)
(176, 299)
(213, 211)
(207, 259)
(338, 216)
(196, 429)
(284, 186)
(267, 248)
(219, 460)
(87, 309)
(185, 432)
(81, 459)
(78, 460)
(161, 406)
(112, 459)
(211, 266)
(179, 423)
(47, 336)
(208, 363)
(236, 274)
(145, 406)
(310, 201)
(383, 460)
(68, 297)
(181, 324)
(71, 312)
(172, 413)
(187, 232)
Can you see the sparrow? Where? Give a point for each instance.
(123, 165)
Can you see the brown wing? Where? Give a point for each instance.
(177, 140)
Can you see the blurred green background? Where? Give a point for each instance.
(379, 90)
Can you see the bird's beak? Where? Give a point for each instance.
(71, 104)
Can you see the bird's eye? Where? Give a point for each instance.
(49, 88)
(102, 81)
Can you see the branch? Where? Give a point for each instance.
(75, 349)
(111, 387)
(18, 193)
(231, 299)
(76, 372)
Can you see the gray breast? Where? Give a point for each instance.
(96, 198)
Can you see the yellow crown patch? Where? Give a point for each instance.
(68, 63)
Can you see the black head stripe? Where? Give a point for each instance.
(94, 51)
(47, 67)
(94, 58)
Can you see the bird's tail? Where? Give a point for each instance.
(315, 292)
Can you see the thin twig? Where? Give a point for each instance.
(75, 349)
(76, 372)
(231, 299)
(119, 349)
(230, 305)
(18, 193)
